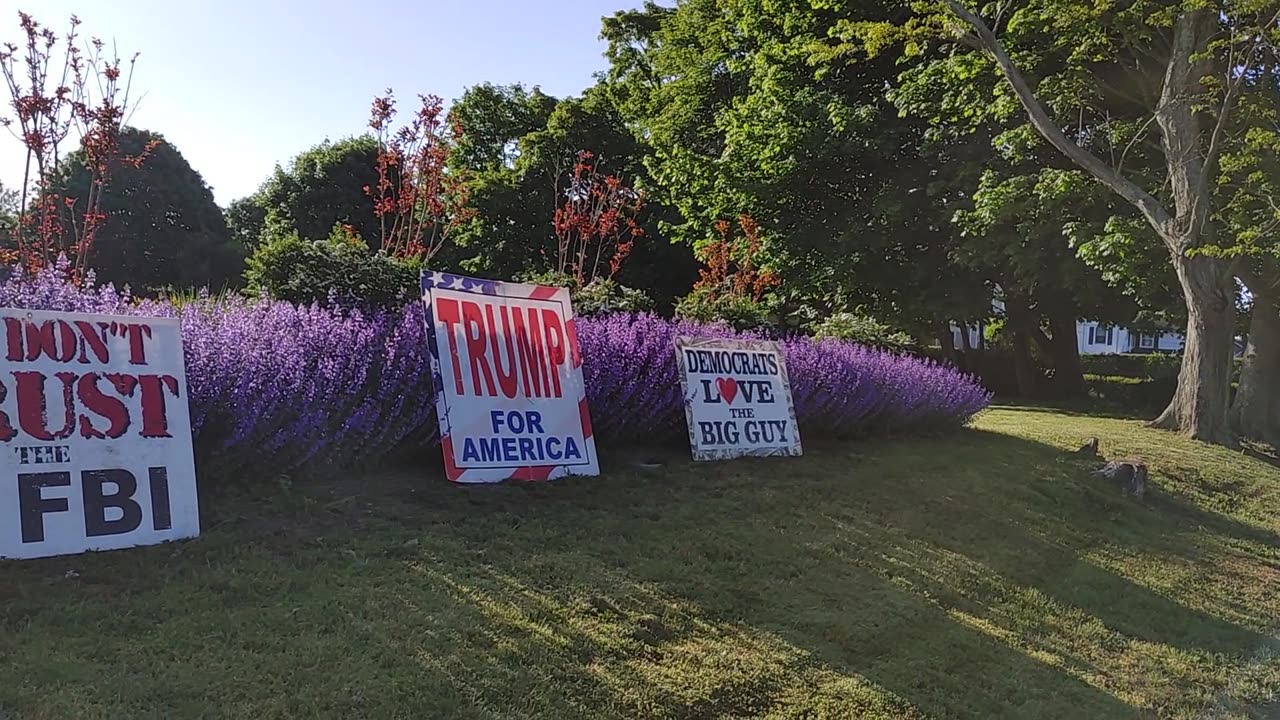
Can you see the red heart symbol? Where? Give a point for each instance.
(728, 388)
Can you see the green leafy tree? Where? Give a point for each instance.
(1097, 82)
(520, 149)
(161, 227)
(1015, 232)
(319, 188)
(496, 117)
(1249, 183)
(246, 220)
(740, 119)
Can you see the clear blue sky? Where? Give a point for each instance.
(241, 85)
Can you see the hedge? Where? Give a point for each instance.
(276, 387)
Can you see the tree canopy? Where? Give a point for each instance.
(162, 227)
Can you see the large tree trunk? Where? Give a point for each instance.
(1191, 153)
(948, 343)
(1043, 340)
(1256, 411)
(965, 343)
(1068, 373)
(1199, 406)
(1018, 322)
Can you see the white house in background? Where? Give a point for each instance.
(1095, 338)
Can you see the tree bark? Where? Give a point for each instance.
(964, 340)
(1068, 373)
(1199, 406)
(1256, 411)
(1017, 321)
(948, 343)
(1044, 341)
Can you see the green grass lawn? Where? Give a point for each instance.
(981, 575)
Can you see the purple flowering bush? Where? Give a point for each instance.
(275, 387)
(840, 389)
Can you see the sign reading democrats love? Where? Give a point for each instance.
(737, 398)
(95, 434)
(508, 380)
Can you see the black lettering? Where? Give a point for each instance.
(33, 505)
(766, 392)
(96, 502)
(708, 431)
(160, 510)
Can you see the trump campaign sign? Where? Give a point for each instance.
(507, 375)
(737, 398)
(95, 435)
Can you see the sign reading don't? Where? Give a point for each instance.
(95, 435)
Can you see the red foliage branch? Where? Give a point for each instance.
(732, 264)
(418, 199)
(57, 89)
(595, 218)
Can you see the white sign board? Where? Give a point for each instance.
(737, 398)
(95, 434)
(507, 375)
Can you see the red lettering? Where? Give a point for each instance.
(447, 312)
(533, 366)
(472, 320)
(506, 378)
(7, 432)
(13, 339)
(32, 413)
(66, 342)
(39, 340)
(110, 409)
(93, 340)
(137, 350)
(155, 422)
(555, 347)
(124, 384)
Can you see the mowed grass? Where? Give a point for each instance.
(980, 575)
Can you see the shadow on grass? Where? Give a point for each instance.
(888, 576)
(1078, 409)
(968, 580)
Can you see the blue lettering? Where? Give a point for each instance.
(571, 451)
(527, 449)
(469, 450)
(509, 451)
(553, 448)
(490, 450)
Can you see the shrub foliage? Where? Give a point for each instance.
(277, 387)
(341, 270)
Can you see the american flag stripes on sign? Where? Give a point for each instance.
(507, 375)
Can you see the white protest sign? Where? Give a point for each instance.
(508, 380)
(737, 398)
(95, 434)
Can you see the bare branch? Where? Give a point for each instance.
(1149, 206)
(1141, 133)
(1232, 85)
